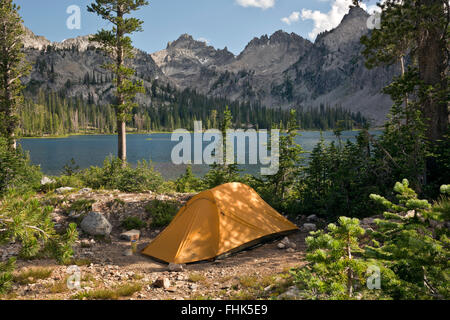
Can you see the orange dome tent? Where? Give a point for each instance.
(229, 217)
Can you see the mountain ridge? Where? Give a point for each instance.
(281, 70)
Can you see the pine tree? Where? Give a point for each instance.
(12, 68)
(413, 241)
(117, 44)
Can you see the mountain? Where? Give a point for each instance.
(278, 71)
(285, 70)
(74, 66)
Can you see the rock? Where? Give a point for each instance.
(63, 190)
(312, 218)
(130, 235)
(290, 250)
(74, 215)
(46, 180)
(293, 293)
(285, 241)
(410, 214)
(85, 190)
(96, 224)
(368, 221)
(173, 267)
(309, 227)
(128, 252)
(162, 283)
(281, 246)
(85, 243)
(292, 245)
(268, 288)
(193, 286)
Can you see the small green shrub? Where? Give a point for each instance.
(113, 175)
(188, 182)
(16, 172)
(81, 206)
(162, 212)
(131, 223)
(6, 276)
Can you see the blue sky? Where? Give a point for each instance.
(223, 23)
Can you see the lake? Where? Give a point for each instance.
(91, 150)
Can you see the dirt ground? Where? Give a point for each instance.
(103, 265)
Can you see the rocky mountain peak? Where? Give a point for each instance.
(350, 30)
(186, 41)
(30, 40)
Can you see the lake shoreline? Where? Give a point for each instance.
(65, 136)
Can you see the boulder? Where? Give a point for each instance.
(309, 227)
(130, 235)
(96, 224)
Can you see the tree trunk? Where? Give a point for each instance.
(402, 65)
(121, 125)
(122, 141)
(432, 68)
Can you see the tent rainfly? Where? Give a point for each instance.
(225, 219)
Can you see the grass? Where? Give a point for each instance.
(59, 287)
(79, 262)
(126, 290)
(249, 281)
(32, 275)
(196, 277)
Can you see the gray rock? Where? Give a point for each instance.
(286, 241)
(130, 235)
(368, 221)
(290, 250)
(293, 293)
(85, 190)
(63, 190)
(173, 267)
(96, 224)
(281, 246)
(312, 218)
(162, 283)
(309, 227)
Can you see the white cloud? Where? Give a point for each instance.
(294, 17)
(327, 21)
(263, 4)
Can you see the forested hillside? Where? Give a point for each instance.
(51, 113)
